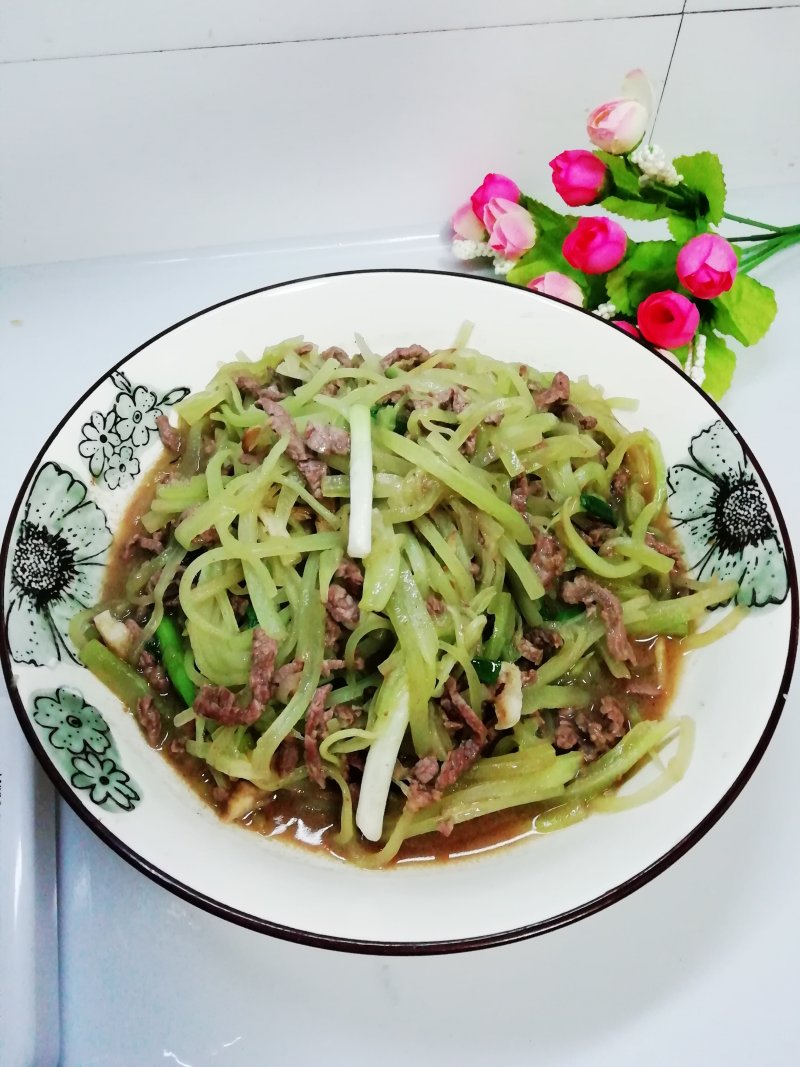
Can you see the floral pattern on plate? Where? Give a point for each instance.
(113, 439)
(723, 518)
(83, 748)
(57, 557)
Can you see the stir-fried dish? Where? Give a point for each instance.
(386, 596)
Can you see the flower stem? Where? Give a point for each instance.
(763, 236)
(754, 222)
(754, 257)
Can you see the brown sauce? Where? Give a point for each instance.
(309, 817)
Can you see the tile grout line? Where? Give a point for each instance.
(342, 37)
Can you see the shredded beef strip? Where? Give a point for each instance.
(451, 399)
(351, 576)
(153, 543)
(570, 413)
(556, 393)
(421, 796)
(346, 715)
(663, 547)
(540, 644)
(240, 604)
(342, 608)
(150, 721)
(283, 425)
(435, 605)
(454, 704)
(471, 443)
(153, 672)
(170, 437)
(425, 770)
(457, 761)
(248, 385)
(287, 757)
(583, 590)
(619, 481)
(338, 354)
(520, 491)
(327, 440)
(317, 718)
(219, 703)
(410, 356)
(494, 419)
(262, 665)
(602, 727)
(332, 632)
(548, 559)
(313, 470)
(287, 678)
(566, 736)
(272, 392)
(596, 533)
(207, 539)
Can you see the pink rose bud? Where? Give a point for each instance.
(467, 225)
(511, 229)
(493, 187)
(595, 246)
(578, 177)
(553, 283)
(617, 126)
(667, 319)
(707, 266)
(628, 327)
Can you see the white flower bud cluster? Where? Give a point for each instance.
(502, 265)
(465, 250)
(605, 311)
(697, 363)
(654, 165)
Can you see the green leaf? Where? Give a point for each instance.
(544, 256)
(549, 223)
(597, 508)
(746, 311)
(702, 172)
(648, 268)
(635, 209)
(623, 175)
(720, 363)
(487, 670)
(683, 229)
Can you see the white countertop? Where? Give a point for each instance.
(697, 967)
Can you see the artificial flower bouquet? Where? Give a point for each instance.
(686, 295)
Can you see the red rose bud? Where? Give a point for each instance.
(578, 177)
(667, 319)
(626, 327)
(707, 266)
(493, 187)
(595, 246)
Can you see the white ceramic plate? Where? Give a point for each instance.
(78, 488)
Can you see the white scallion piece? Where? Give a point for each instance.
(115, 634)
(359, 542)
(382, 755)
(508, 705)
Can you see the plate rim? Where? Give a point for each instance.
(359, 945)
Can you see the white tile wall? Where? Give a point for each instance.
(734, 88)
(156, 151)
(42, 29)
